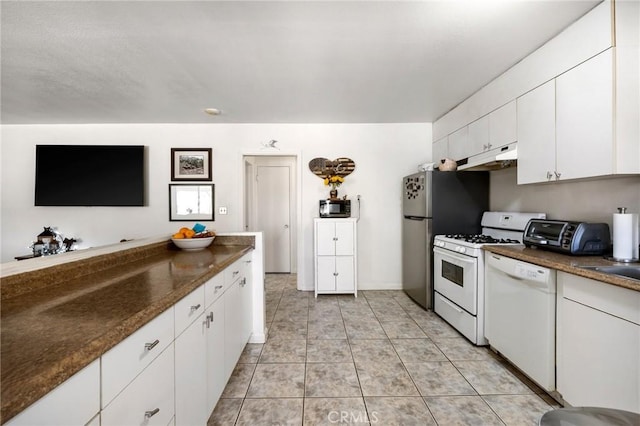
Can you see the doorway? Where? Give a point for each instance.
(270, 207)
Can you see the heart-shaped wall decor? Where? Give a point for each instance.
(323, 167)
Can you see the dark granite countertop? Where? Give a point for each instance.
(56, 321)
(562, 262)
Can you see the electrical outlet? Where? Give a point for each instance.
(222, 210)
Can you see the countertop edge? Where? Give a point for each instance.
(564, 263)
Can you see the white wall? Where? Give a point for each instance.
(383, 153)
(592, 200)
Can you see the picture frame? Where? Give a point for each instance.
(191, 202)
(193, 164)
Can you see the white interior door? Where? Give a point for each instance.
(273, 215)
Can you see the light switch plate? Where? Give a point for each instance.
(222, 210)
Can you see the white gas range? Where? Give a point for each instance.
(458, 270)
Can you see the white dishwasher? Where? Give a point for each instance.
(520, 316)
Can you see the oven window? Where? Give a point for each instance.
(548, 231)
(453, 273)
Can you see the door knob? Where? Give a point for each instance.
(286, 227)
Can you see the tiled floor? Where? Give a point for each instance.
(375, 359)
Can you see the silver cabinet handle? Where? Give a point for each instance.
(335, 274)
(558, 175)
(549, 175)
(149, 346)
(210, 316)
(243, 282)
(335, 238)
(195, 307)
(247, 261)
(216, 288)
(235, 273)
(149, 414)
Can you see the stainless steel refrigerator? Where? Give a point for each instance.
(436, 203)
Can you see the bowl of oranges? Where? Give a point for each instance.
(193, 239)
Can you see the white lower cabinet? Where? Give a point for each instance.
(190, 377)
(598, 358)
(171, 371)
(215, 367)
(74, 402)
(335, 251)
(149, 399)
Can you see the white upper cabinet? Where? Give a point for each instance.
(479, 135)
(440, 150)
(458, 144)
(502, 126)
(584, 119)
(536, 134)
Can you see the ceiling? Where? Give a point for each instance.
(261, 61)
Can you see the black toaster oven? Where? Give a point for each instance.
(568, 237)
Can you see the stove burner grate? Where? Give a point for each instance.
(481, 239)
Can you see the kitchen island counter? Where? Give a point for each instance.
(562, 262)
(57, 320)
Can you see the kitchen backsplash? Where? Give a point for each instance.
(593, 200)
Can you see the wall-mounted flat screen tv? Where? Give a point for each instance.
(90, 175)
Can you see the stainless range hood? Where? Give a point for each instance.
(495, 159)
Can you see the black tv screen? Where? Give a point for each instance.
(89, 175)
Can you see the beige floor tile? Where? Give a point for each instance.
(518, 409)
(284, 351)
(398, 411)
(334, 380)
(334, 411)
(328, 351)
(438, 378)
(226, 412)
(277, 381)
(417, 350)
(271, 411)
(239, 381)
(251, 353)
(385, 379)
(457, 349)
(491, 377)
(462, 411)
(378, 350)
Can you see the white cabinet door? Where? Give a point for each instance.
(74, 402)
(345, 278)
(584, 111)
(344, 238)
(246, 317)
(149, 399)
(440, 150)
(215, 371)
(232, 331)
(325, 238)
(598, 349)
(459, 144)
(503, 126)
(325, 274)
(479, 135)
(536, 134)
(190, 376)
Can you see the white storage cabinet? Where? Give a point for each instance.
(598, 354)
(335, 255)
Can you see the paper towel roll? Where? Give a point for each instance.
(625, 236)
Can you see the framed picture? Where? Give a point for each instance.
(191, 202)
(191, 164)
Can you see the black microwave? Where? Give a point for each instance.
(335, 208)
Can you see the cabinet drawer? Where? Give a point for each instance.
(233, 272)
(124, 362)
(75, 401)
(188, 309)
(617, 301)
(148, 400)
(213, 289)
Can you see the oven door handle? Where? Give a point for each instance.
(453, 255)
(451, 304)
